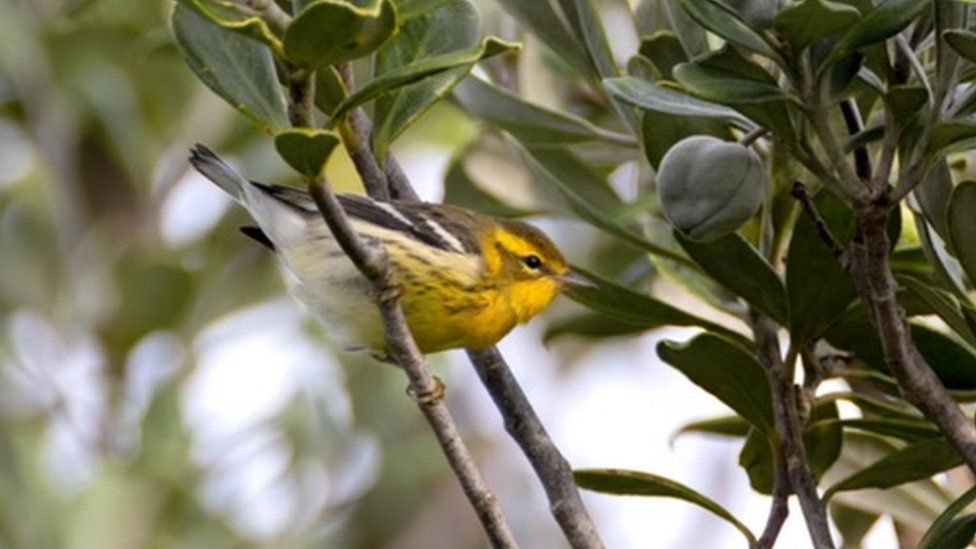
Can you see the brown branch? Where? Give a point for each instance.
(426, 390)
(524, 426)
(802, 195)
(779, 509)
(356, 133)
(790, 430)
(871, 269)
(521, 421)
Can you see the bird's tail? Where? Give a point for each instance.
(219, 172)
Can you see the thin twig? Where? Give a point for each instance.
(524, 426)
(427, 391)
(802, 195)
(356, 132)
(754, 135)
(779, 509)
(790, 429)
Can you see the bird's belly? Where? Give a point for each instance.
(475, 321)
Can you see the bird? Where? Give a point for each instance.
(466, 279)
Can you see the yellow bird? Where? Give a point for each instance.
(467, 279)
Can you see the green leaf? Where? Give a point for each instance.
(230, 17)
(637, 308)
(963, 42)
(884, 21)
(726, 371)
(651, 97)
(729, 426)
(327, 32)
(932, 196)
(909, 430)
(725, 22)
(330, 89)
(460, 190)
(906, 101)
(425, 87)
(585, 209)
(945, 532)
(238, 69)
(737, 266)
(542, 19)
(664, 50)
(914, 462)
(953, 361)
(822, 439)
(725, 87)
(852, 523)
(818, 288)
(946, 269)
(435, 50)
(633, 483)
(942, 303)
(810, 21)
(530, 123)
(961, 221)
(587, 28)
(306, 149)
(590, 325)
(758, 461)
(872, 407)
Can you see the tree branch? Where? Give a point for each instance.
(790, 430)
(356, 132)
(871, 269)
(802, 195)
(779, 510)
(524, 426)
(521, 421)
(426, 390)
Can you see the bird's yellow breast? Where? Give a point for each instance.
(453, 305)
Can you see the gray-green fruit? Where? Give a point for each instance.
(709, 187)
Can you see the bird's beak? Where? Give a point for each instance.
(576, 280)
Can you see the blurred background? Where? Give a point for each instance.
(158, 388)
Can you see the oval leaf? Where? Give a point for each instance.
(737, 266)
(810, 21)
(305, 149)
(945, 532)
(635, 308)
(238, 69)
(884, 21)
(819, 289)
(961, 220)
(634, 483)
(725, 22)
(963, 41)
(645, 95)
(439, 46)
(726, 371)
(913, 462)
(330, 31)
(530, 123)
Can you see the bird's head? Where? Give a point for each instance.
(527, 266)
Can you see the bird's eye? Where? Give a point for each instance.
(533, 262)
